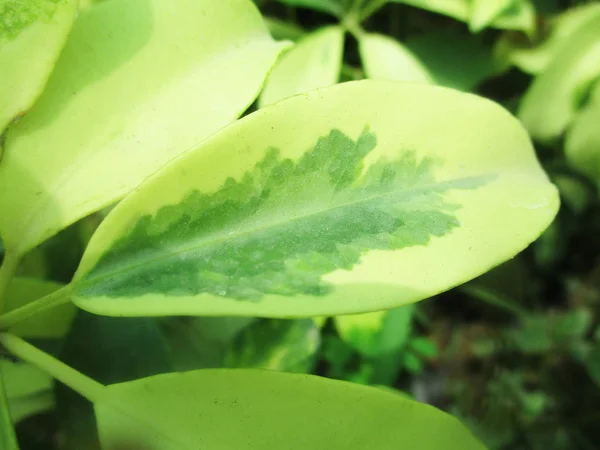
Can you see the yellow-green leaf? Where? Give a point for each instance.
(533, 59)
(384, 58)
(514, 15)
(28, 389)
(557, 94)
(484, 12)
(363, 196)
(376, 333)
(138, 82)
(314, 62)
(32, 34)
(51, 324)
(255, 410)
(582, 144)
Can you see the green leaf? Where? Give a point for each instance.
(29, 389)
(335, 202)
(32, 34)
(457, 9)
(200, 342)
(127, 94)
(281, 29)
(253, 409)
(568, 77)
(314, 62)
(51, 324)
(334, 7)
(513, 50)
(484, 12)
(582, 144)
(22, 408)
(23, 379)
(111, 350)
(384, 58)
(518, 15)
(376, 333)
(437, 52)
(284, 345)
(593, 364)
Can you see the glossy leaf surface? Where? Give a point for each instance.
(32, 34)
(338, 201)
(314, 62)
(384, 58)
(558, 92)
(138, 82)
(253, 409)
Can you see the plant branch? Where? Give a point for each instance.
(89, 388)
(56, 298)
(8, 438)
(7, 272)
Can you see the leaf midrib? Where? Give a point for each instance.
(198, 244)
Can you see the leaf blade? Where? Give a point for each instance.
(120, 129)
(328, 228)
(231, 407)
(314, 62)
(39, 30)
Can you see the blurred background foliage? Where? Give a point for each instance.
(515, 353)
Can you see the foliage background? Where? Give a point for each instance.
(515, 353)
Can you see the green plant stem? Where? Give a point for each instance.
(89, 388)
(491, 298)
(371, 8)
(56, 298)
(8, 438)
(7, 271)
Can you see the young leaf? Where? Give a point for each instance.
(32, 34)
(582, 144)
(384, 58)
(138, 82)
(567, 78)
(52, 324)
(314, 62)
(362, 196)
(254, 409)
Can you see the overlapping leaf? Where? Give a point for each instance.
(559, 91)
(138, 82)
(384, 58)
(338, 201)
(252, 409)
(314, 62)
(32, 34)
(505, 14)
